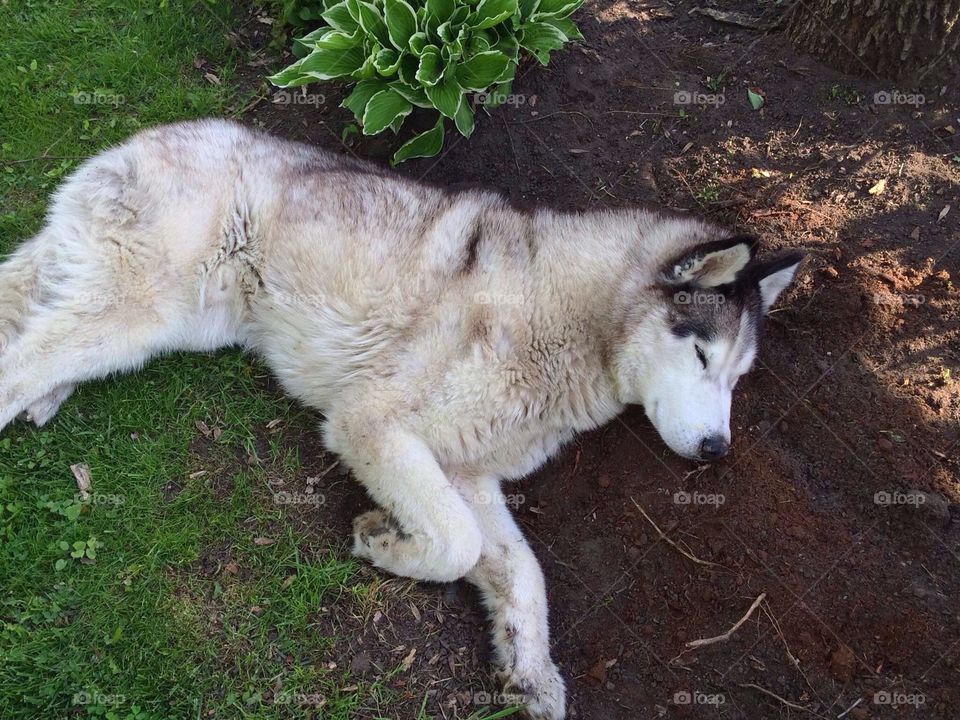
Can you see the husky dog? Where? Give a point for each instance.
(450, 341)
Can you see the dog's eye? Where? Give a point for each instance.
(701, 356)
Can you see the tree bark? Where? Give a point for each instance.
(911, 41)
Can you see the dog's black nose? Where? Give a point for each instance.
(714, 448)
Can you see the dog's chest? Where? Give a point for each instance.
(505, 416)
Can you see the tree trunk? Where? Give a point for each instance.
(911, 41)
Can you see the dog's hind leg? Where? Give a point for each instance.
(126, 268)
(19, 287)
(512, 587)
(41, 411)
(58, 349)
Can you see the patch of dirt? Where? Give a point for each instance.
(852, 411)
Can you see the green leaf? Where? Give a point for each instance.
(445, 96)
(756, 99)
(498, 95)
(460, 16)
(451, 52)
(339, 18)
(481, 71)
(556, 8)
(356, 101)
(441, 9)
(394, 127)
(59, 564)
(567, 26)
(409, 64)
(509, 73)
(349, 130)
(528, 8)
(418, 41)
(353, 7)
(509, 46)
(386, 62)
(464, 119)
(491, 12)
(329, 64)
(401, 22)
(383, 109)
(414, 95)
(447, 33)
(372, 23)
(540, 38)
(338, 41)
(477, 44)
(426, 144)
(431, 66)
(367, 71)
(291, 76)
(303, 46)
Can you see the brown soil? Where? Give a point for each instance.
(855, 391)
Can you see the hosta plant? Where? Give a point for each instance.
(450, 56)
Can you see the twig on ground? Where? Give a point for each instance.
(670, 542)
(732, 18)
(726, 636)
(790, 656)
(326, 471)
(859, 700)
(506, 126)
(40, 158)
(550, 115)
(776, 697)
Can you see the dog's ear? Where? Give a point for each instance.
(711, 264)
(772, 275)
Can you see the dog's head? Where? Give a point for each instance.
(686, 347)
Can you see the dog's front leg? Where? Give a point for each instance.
(426, 530)
(511, 583)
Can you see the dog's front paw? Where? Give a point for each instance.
(539, 689)
(374, 533)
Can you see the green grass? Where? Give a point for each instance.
(140, 630)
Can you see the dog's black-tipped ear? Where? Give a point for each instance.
(773, 275)
(713, 263)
